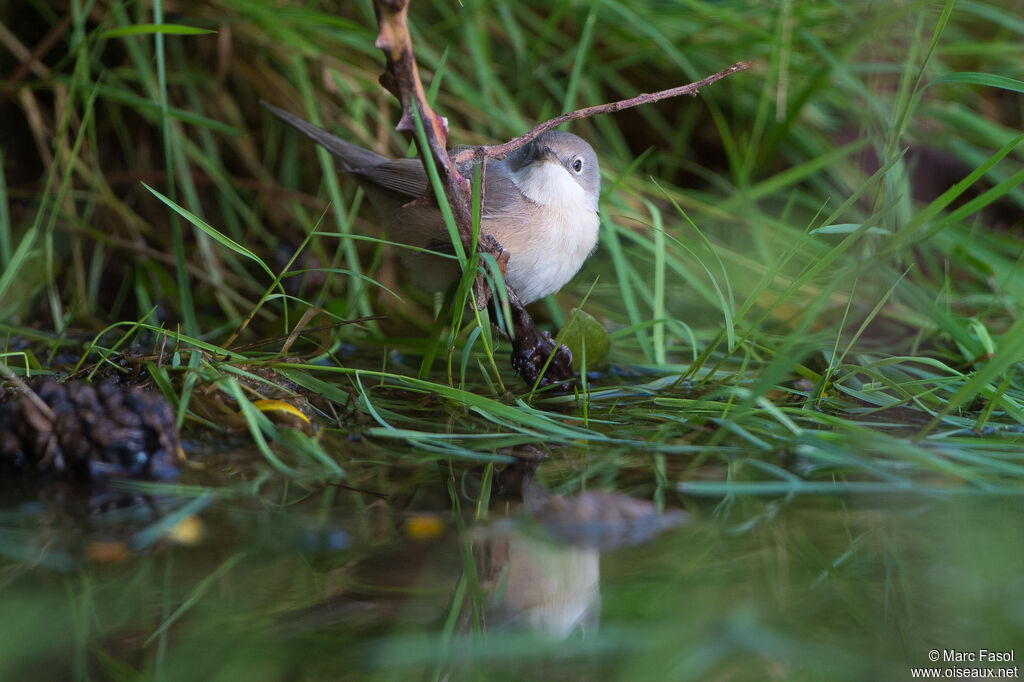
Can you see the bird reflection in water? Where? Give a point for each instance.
(542, 570)
(538, 569)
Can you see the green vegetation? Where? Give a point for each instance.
(812, 277)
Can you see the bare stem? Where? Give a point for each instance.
(500, 150)
(402, 78)
(33, 397)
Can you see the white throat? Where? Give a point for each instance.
(568, 222)
(549, 184)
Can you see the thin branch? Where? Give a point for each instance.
(402, 78)
(32, 396)
(500, 150)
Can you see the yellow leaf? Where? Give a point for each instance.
(271, 406)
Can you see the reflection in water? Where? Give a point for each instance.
(545, 575)
(535, 583)
(537, 570)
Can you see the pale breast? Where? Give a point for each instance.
(554, 233)
(546, 247)
(544, 220)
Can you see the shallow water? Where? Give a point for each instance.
(330, 584)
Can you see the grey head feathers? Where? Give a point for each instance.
(571, 151)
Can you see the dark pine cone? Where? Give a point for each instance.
(88, 433)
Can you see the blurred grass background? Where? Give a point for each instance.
(812, 276)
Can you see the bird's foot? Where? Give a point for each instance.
(535, 355)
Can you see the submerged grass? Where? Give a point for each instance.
(811, 275)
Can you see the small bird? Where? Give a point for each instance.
(539, 202)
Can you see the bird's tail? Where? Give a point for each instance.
(352, 158)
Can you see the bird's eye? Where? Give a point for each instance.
(577, 165)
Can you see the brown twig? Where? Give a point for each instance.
(33, 397)
(402, 79)
(500, 150)
(300, 329)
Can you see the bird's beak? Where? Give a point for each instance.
(546, 154)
